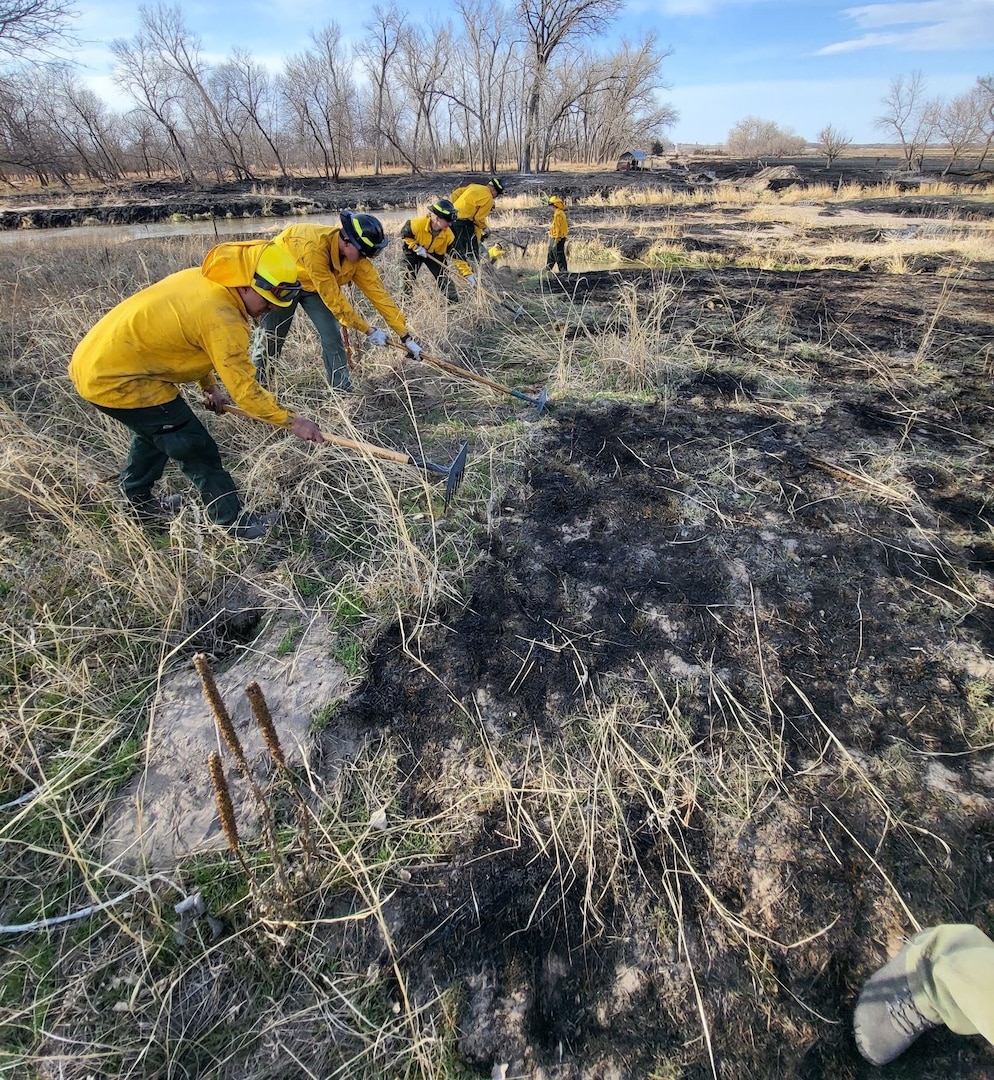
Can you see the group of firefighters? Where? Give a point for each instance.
(196, 326)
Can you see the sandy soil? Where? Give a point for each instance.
(168, 811)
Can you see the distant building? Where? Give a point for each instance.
(631, 159)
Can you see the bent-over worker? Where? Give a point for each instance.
(329, 257)
(192, 326)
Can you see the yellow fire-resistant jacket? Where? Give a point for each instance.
(559, 229)
(474, 202)
(182, 329)
(417, 233)
(323, 270)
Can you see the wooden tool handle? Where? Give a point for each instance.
(455, 369)
(336, 440)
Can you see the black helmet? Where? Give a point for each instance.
(497, 185)
(444, 209)
(364, 232)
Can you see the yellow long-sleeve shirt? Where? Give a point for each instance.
(324, 271)
(184, 328)
(474, 203)
(417, 233)
(559, 229)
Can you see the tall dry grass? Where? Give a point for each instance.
(98, 614)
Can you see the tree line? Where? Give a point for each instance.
(522, 84)
(963, 125)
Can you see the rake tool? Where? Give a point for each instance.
(464, 373)
(516, 310)
(453, 473)
(501, 238)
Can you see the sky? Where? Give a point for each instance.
(800, 63)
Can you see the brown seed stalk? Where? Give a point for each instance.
(260, 710)
(222, 796)
(218, 709)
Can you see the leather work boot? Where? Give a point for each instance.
(886, 1020)
(155, 509)
(251, 526)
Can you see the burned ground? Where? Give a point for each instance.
(710, 728)
(737, 564)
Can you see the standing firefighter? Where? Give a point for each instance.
(329, 257)
(189, 327)
(473, 204)
(558, 231)
(426, 242)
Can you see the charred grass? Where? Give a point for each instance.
(660, 738)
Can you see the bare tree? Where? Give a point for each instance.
(550, 25)
(424, 56)
(377, 50)
(831, 142)
(959, 122)
(620, 107)
(141, 73)
(909, 116)
(319, 90)
(28, 146)
(985, 104)
(31, 28)
(484, 81)
(179, 50)
(756, 138)
(80, 122)
(251, 101)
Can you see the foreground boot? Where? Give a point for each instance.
(887, 1020)
(156, 509)
(252, 526)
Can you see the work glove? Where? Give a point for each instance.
(376, 336)
(471, 279)
(421, 251)
(215, 400)
(412, 346)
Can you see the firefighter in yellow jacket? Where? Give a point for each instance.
(329, 257)
(192, 326)
(558, 231)
(426, 242)
(473, 203)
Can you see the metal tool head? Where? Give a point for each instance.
(538, 402)
(453, 473)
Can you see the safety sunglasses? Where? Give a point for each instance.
(285, 290)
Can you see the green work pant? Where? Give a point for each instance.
(276, 326)
(951, 974)
(437, 269)
(557, 254)
(466, 246)
(161, 433)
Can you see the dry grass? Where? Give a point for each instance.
(97, 616)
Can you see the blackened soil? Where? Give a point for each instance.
(741, 570)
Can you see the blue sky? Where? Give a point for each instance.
(802, 64)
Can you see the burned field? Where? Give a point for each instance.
(632, 763)
(716, 716)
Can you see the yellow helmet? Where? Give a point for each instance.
(555, 201)
(275, 277)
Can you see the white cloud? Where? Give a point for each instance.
(687, 7)
(931, 25)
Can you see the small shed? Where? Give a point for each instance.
(631, 159)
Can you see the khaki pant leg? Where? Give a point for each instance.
(951, 974)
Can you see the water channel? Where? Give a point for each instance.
(219, 227)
